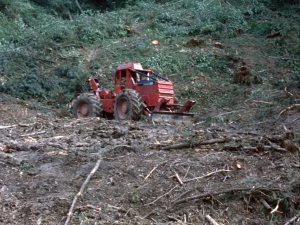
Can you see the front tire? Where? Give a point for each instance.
(128, 105)
(87, 105)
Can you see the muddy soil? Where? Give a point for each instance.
(229, 173)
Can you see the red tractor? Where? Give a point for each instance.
(137, 91)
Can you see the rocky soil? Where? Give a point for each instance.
(147, 174)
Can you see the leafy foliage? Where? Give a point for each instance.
(24, 167)
(37, 85)
(48, 48)
(195, 18)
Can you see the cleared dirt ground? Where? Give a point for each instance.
(234, 174)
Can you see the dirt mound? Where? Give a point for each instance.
(147, 174)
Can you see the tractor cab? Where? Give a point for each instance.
(126, 76)
(130, 75)
(151, 86)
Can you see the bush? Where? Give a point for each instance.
(197, 18)
(60, 88)
(28, 86)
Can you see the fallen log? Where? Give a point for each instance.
(225, 191)
(192, 144)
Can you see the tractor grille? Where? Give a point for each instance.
(165, 89)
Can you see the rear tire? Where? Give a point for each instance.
(87, 105)
(128, 105)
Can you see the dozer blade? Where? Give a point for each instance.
(175, 118)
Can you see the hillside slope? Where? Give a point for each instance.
(239, 163)
(225, 55)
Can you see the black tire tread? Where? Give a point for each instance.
(136, 104)
(96, 105)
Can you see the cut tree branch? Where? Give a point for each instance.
(263, 102)
(146, 178)
(207, 175)
(161, 196)
(188, 145)
(4, 127)
(177, 220)
(109, 51)
(265, 204)
(34, 133)
(289, 108)
(82, 189)
(80, 9)
(70, 213)
(293, 219)
(277, 206)
(179, 179)
(285, 58)
(211, 220)
(223, 192)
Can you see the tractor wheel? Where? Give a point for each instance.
(128, 105)
(87, 105)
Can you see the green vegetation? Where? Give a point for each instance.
(48, 48)
(24, 167)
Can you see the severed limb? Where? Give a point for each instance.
(265, 204)
(207, 175)
(34, 133)
(10, 126)
(161, 196)
(177, 220)
(289, 108)
(93, 207)
(82, 189)
(146, 178)
(80, 9)
(188, 145)
(149, 174)
(179, 179)
(211, 220)
(293, 219)
(70, 213)
(223, 192)
(277, 206)
(149, 214)
(185, 193)
(120, 209)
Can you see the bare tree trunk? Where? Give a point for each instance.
(77, 3)
(70, 16)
